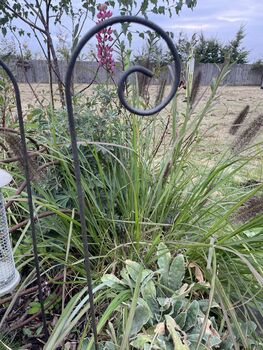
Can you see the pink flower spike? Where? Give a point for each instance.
(104, 50)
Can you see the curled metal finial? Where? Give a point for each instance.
(134, 69)
(29, 190)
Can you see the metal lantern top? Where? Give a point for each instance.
(5, 178)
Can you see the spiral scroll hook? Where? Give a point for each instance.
(135, 69)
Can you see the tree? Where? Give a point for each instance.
(36, 17)
(234, 51)
(209, 51)
(213, 51)
(8, 49)
(185, 46)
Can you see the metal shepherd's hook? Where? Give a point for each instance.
(29, 191)
(121, 89)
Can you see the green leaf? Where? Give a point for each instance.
(248, 328)
(177, 306)
(124, 28)
(204, 304)
(192, 314)
(109, 345)
(181, 319)
(144, 6)
(149, 295)
(141, 317)
(149, 291)
(140, 341)
(133, 306)
(126, 278)
(129, 37)
(133, 268)
(176, 273)
(161, 10)
(111, 281)
(4, 31)
(164, 259)
(35, 307)
(36, 112)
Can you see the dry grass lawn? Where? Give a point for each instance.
(230, 101)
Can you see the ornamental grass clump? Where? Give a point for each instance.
(141, 188)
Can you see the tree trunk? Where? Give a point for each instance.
(57, 71)
(52, 65)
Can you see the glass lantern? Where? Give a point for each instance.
(9, 276)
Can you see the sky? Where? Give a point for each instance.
(221, 19)
(218, 19)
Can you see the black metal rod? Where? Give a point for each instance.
(121, 88)
(29, 192)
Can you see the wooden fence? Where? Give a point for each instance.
(36, 71)
(240, 74)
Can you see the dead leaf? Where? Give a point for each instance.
(183, 288)
(160, 328)
(198, 273)
(71, 346)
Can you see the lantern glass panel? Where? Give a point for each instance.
(9, 277)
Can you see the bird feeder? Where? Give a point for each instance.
(9, 276)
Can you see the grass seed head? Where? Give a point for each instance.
(239, 120)
(247, 135)
(250, 209)
(195, 87)
(15, 147)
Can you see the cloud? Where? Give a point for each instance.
(231, 19)
(232, 16)
(244, 14)
(192, 26)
